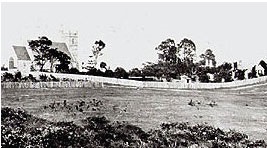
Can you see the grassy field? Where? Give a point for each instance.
(241, 109)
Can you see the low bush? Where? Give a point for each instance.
(7, 77)
(17, 77)
(43, 78)
(20, 129)
(29, 78)
(74, 71)
(53, 78)
(121, 73)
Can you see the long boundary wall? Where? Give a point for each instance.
(204, 85)
(146, 84)
(62, 84)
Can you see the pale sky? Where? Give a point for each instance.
(131, 31)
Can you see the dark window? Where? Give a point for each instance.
(11, 63)
(73, 41)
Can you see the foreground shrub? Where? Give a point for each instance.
(20, 129)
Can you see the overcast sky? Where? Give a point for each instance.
(131, 31)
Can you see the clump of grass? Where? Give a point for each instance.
(77, 106)
(212, 104)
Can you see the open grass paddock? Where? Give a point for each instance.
(242, 109)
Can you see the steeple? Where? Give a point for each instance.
(71, 39)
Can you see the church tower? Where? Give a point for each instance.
(71, 39)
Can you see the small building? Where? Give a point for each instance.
(208, 63)
(261, 68)
(20, 60)
(185, 79)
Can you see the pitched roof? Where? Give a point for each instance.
(21, 53)
(263, 64)
(63, 48)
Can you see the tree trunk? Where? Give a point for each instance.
(51, 66)
(41, 68)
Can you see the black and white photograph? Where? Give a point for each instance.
(133, 74)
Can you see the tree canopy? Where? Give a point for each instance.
(97, 48)
(103, 65)
(208, 56)
(41, 49)
(43, 53)
(168, 51)
(188, 49)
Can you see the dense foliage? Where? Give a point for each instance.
(20, 129)
(174, 61)
(44, 53)
(17, 77)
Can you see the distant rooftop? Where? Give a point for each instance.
(63, 48)
(21, 53)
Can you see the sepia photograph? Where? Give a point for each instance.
(133, 74)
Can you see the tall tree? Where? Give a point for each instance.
(224, 72)
(188, 52)
(40, 49)
(64, 61)
(97, 48)
(168, 51)
(208, 56)
(53, 57)
(188, 49)
(43, 53)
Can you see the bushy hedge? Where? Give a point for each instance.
(20, 129)
(45, 78)
(17, 77)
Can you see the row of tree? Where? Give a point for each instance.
(179, 59)
(174, 60)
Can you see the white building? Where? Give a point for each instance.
(20, 60)
(71, 40)
(260, 70)
(208, 63)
